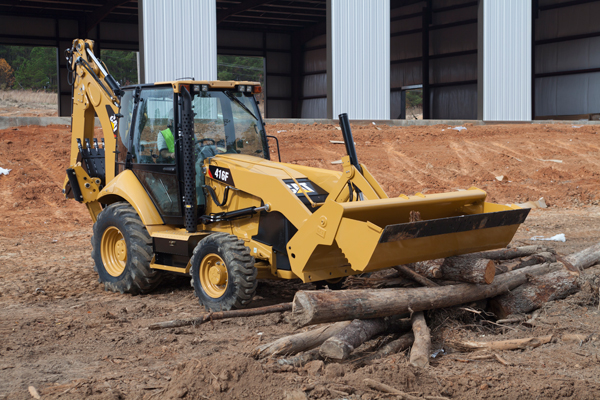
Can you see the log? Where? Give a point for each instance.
(421, 349)
(382, 387)
(409, 273)
(585, 258)
(469, 269)
(515, 252)
(393, 347)
(340, 346)
(526, 262)
(535, 293)
(513, 344)
(222, 315)
(315, 307)
(431, 269)
(299, 342)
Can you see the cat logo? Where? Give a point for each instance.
(305, 187)
(114, 121)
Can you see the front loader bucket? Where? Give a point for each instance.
(371, 235)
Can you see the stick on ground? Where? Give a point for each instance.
(421, 349)
(222, 315)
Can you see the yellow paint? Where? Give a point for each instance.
(113, 251)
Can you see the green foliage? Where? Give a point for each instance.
(240, 68)
(34, 67)
(414, 98)
(122, 65)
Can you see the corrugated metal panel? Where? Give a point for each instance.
(180, 39)
(359, 50)
(507, 60)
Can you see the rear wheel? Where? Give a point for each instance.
(122, 251)
(223, 273)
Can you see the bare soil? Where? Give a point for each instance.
(61, 333)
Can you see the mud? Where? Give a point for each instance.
(61, 333)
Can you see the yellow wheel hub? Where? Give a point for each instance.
(113, 251)
(213, 275)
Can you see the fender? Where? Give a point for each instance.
(127, 186)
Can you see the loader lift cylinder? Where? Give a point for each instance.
(189, 171)
(349, 141)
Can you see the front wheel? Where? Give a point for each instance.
(122, 251)
(223, 273)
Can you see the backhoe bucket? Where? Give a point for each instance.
(376, 234)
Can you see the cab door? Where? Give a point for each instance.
(154, 151)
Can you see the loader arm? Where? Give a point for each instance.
(95, 92)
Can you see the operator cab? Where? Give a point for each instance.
(226, 120)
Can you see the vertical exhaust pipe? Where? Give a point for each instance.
(349, 141)
(190, 208)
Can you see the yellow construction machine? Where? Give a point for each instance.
(181, 181)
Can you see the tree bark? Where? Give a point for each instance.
(393, 347)
(301, 359)
(222, 315)
(341, 345)
(409, 273)
(515, 252)
(535, 293)
(525, 262)
(299, 342)
(469, 269)
(513, 344)
(421, 349)
(431, 269)
(585, 258)
(314, 307)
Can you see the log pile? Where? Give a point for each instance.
(514, 281)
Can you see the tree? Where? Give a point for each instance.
(240, 68)
(122, 65)
(6, 74)
(38, 71)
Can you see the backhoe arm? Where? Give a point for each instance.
(95, 92)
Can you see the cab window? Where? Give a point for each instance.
(154, 135)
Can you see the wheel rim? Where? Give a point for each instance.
(213, 275)
(113, 250)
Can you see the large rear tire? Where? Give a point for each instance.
(122, 251)
(223, 273)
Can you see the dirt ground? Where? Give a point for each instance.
(61, 333)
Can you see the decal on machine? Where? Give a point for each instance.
(305, 187)
(220, 174)
(114, 121)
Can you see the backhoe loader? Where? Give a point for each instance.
(181, 181)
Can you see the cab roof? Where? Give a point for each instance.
(211, 84)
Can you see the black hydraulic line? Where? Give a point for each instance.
(74, 185)
(349, 141)
(214, 197)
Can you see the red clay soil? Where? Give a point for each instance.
(62, 334)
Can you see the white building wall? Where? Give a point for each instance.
(179, 39)
(358, 64)
(507, 60)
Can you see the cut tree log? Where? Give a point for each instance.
(469, 269)
(340, 346)
(513, 344)
(431, 269)
(585, 258)
(409, 273)
(222, 315)
(515, 252)
(393, 347)
(535, 293)
(299, 342)
(421, 349)
(526, 262)
(315, 307)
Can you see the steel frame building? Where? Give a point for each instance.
(474, 59)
